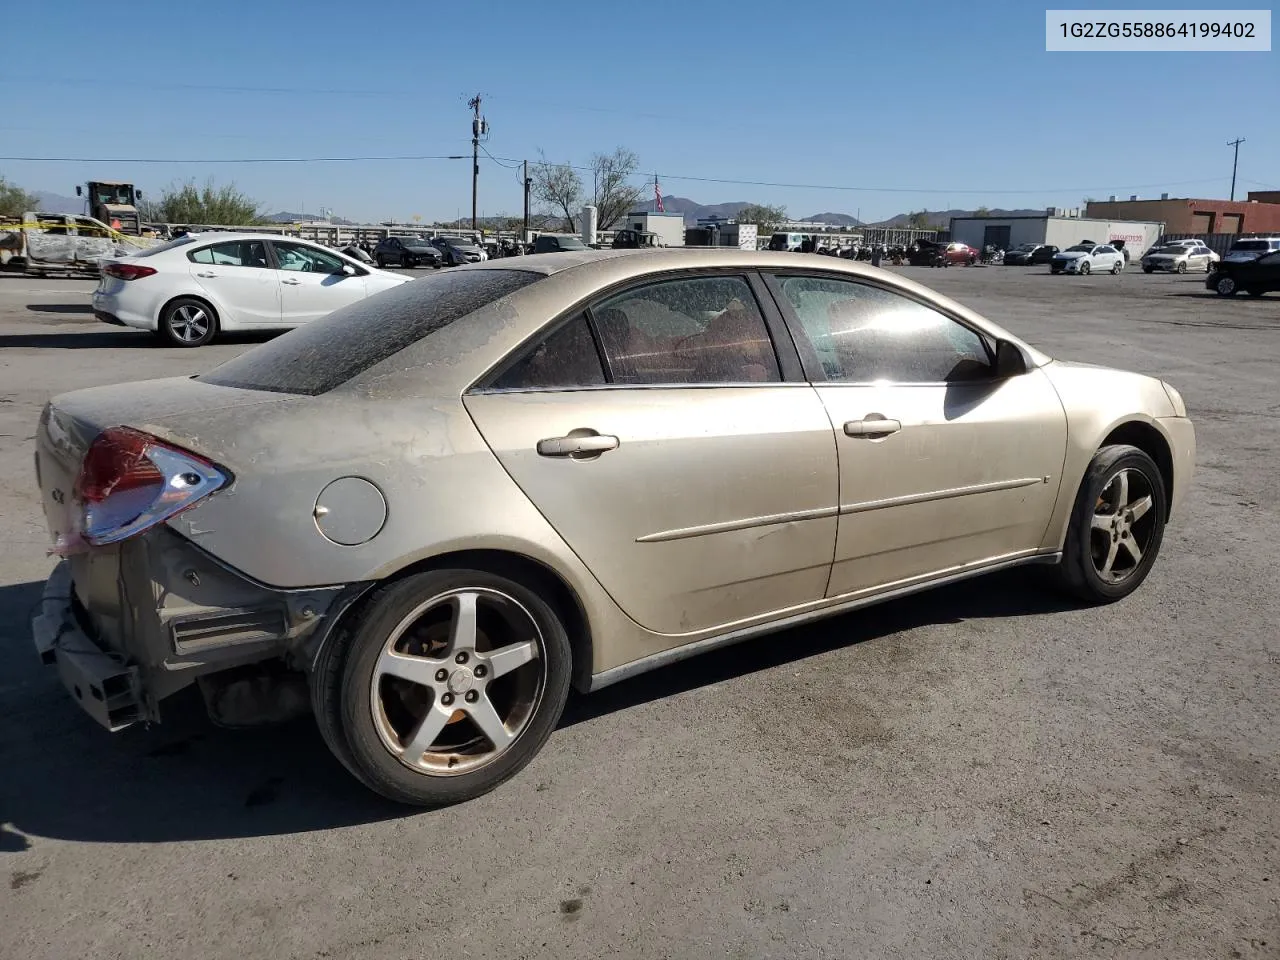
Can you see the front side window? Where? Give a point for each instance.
(697, 330)
(863, 334)
(300, 258)
(233, 253)
(567, 358)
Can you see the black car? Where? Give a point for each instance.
(457, 250)
(1255, 277)
(406, 252)
(1029, 253)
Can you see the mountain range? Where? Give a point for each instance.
(693, 210)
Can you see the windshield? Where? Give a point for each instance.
(113, 193)
(418, 245)
(1080, 248)
(1247, 245)
(1027, 247)
(170, 245)
(570, 243)
(1173, 251)
(458, 241)
(326, 353)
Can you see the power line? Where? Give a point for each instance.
(665, 176)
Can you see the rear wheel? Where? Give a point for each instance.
(382, 262)
(1256, 291)
(1117, 267)
(1116, 526)
(188, 322)
(1226, 287)
(446, 684)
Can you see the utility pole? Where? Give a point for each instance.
(1234, 143)
(479, 128)
(524, 237)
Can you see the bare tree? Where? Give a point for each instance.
(765, 217)
(559, 186)
(611, 194)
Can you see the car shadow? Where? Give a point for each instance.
(113, 339)
(63, 777)
(61, 308)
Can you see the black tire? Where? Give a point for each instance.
(1085, 269)
(188, 322)
(408, 262)
(1226, 287)
(1181, 268)
(343, 698)
(1255, 291)
(382, 262)
(1078, 572)
(1148, 269)
(1117, 268)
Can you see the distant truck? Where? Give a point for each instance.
(114, 203)
(627, 239)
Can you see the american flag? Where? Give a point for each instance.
(657, 196)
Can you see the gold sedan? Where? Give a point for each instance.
(439, 509)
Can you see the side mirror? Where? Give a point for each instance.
(79, 191)
(348, 270)
(138, 194)
(1010, 361)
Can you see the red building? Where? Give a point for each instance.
(1259, 214)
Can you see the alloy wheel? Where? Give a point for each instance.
(1122, 526)
(1226, 287)
(458, 681)
(189, 323)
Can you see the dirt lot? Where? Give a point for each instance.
(980, 772)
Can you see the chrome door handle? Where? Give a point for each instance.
(871, 427)
(291, 281)
(206, 273)
(577, 447)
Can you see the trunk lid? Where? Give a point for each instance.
(70, 422)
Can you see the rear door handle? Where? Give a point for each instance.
(292, 282)
(577, 447)
(872, 427)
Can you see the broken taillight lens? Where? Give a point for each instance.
(130, 481)
(127, 271)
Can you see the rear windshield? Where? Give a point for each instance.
(326, 353)
(1250, 245)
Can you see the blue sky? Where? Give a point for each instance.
(919, 105)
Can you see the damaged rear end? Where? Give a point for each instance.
(135, 612)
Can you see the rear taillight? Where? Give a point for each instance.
(127, 271)
(130, 481)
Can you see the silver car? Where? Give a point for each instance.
(431, 514)
(1179, 258)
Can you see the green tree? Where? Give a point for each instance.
(14, 201)
(212, 204)
(982, 212)
(918, 219)
(763, 216)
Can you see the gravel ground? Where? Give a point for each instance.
(982, 771)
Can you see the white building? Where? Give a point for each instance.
(1057, 227)
(668, 227)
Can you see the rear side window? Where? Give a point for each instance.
(234, 253)
(326, 353)
(568, 358)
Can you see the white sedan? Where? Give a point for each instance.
(1087, 258)
(192, 288)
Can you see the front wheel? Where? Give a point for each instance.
(1181, 268)
(1148, 269)
(1084, 269)
(382, 262)
(188, 322)
(1226, 287)
(445, 685)
(1116, 526)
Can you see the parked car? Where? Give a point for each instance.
(557, 243)
(1250, 248)
(1256, 276)
(961, 253)
(1086, 258)
(406, 252)
(357, 253)
(1029, 253)
(458, 251)
(1179, 258)
(193, 288)
(410, 509)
